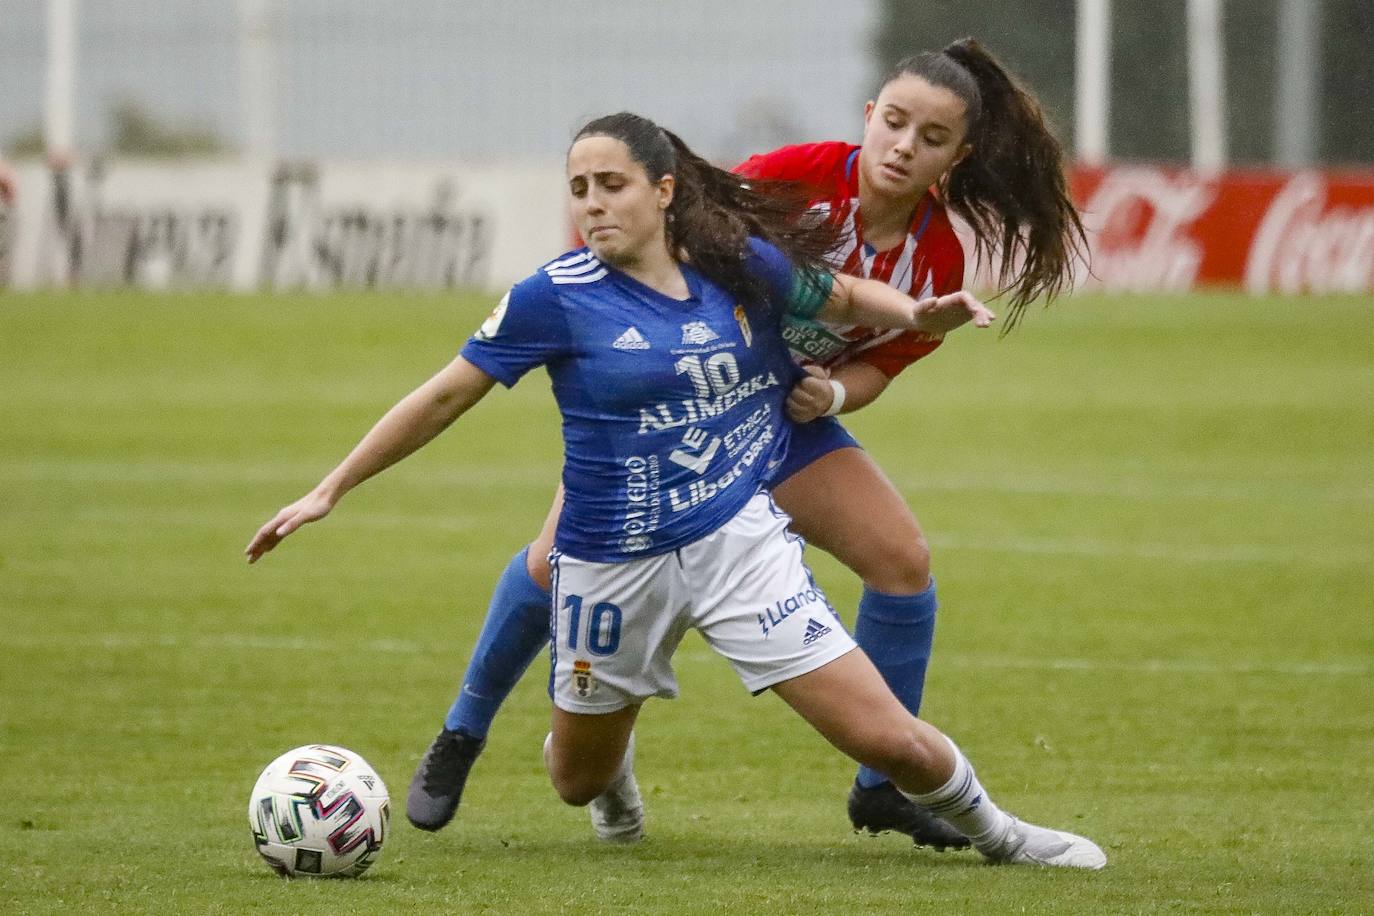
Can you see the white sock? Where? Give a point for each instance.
(965, 804)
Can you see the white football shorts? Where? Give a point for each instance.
(744, 587)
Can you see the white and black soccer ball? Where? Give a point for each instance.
(319, 810)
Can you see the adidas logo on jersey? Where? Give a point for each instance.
(814, 631)
(698, 332)
(631, 340)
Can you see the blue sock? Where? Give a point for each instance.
(515, 631)
(896, 632)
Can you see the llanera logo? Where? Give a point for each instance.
(773, 615)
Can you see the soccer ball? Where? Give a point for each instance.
(319, 810)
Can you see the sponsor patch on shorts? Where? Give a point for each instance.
(773, 615)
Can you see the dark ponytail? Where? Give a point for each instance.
(1011, 188)
(713, 212)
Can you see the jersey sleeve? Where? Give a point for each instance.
(790, 163)
(792, 290)
(813, 164)
(526, 329)
(892, 356)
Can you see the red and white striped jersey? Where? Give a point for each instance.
(928, 262)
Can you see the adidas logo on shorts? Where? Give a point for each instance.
(814, 631)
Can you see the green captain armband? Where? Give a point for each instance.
(810, 290)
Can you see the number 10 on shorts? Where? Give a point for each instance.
(602, 633)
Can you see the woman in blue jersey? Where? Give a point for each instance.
(663, 342)
(952, 119)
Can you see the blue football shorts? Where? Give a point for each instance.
(808, 441)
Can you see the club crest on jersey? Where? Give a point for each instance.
(743, 320)
(631, 340)
(698, 332)
(492, 325)
(584, 684)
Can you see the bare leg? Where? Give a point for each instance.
(923, 763)
(584, 752)
(844, 504)
(884, 736)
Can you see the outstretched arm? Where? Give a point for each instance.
(416, 419)
(874, 304)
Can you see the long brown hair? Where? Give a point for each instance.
(1011, 188)
(713, 212)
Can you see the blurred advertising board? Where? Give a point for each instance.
(326, 225)
(1157, 229)
(314, 225)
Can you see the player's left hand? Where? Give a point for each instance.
(942, 314)
(811, 397)
(311, 507)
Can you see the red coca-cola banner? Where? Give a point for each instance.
(1161, 229)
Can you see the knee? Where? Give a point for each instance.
(897, 566)
(577, 789)
(576, 785)
(904, 754)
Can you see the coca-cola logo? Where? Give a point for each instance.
(1137, 223)
(1301, 246)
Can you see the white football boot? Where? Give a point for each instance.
(1027, 844)
(618, 813)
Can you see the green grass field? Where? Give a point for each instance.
(1153, 525)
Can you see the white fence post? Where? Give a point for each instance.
(1296, 95)
(59, 88)
(1206, 85)
(1092, 81)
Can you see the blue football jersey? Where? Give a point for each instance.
(672, 409)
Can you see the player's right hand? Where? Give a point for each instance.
(311, 507)
(811, 397)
